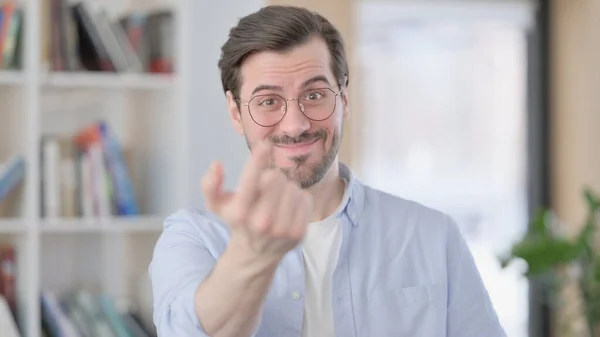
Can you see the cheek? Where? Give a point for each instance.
(332, 129)
(256, 133)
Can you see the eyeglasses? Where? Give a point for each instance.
(315, 104)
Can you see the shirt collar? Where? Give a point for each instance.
(352, 202)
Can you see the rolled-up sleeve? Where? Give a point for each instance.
(179, 264)
(470, 310)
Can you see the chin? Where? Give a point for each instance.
(293, 162)
(305, 174)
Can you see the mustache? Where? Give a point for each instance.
(302, 138)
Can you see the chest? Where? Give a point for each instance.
(386, 282)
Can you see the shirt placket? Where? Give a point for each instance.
(343, 313)
(296, 294)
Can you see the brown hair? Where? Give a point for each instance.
(278, 28)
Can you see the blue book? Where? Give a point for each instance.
(123, 187)
(11, 174)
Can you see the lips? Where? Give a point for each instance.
(297, 148)
(297, 144)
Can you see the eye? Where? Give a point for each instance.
(314, 95)
(267, 101)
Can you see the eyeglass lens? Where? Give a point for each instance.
(315, 104)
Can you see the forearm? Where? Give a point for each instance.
(229, 302)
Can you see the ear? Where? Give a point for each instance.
(346, 102)
(234, 113)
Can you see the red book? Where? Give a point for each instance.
(89, 135)
(8, 276)
(8, 9)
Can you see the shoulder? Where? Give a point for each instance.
(196, 224)
(393, 210)
(194, 216)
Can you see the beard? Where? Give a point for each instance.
(302, 172)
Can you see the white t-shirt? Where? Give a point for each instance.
(321, 247)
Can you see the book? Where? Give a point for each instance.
(12, 173)
(11, 36)
(79, 312)
(98, 137)
(8, 325)
(83, 36)
(8, 277)
(86, 175)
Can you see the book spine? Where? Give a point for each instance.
(51, 177)
(8, 276)
(8, 325)
(124, 192)
(9, 178)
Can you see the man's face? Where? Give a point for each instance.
(304, 148)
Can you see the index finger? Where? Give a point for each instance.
(212, 186)
(250, 177)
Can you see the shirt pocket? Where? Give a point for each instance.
(409, 311)
(400, 297)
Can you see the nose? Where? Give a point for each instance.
(294, 122)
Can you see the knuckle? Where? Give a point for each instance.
(278, 233)
(236, 217)
(239, 218)
(264, 222)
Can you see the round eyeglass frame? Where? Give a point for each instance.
(286, 100)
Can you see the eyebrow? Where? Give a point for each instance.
(266, 87)
(318, 78)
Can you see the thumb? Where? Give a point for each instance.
(212, 187)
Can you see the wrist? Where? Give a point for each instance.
(241, 256)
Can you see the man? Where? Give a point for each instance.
(301, 247)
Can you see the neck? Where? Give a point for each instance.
(328, 193)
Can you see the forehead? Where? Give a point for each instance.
(287, 70)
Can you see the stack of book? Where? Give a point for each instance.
(82, 36)
(84, 313)
(11, 35)
(8, 301)
(85, 175)
(12, 175)
(8, 325)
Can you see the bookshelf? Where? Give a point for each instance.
(12, 226)
(147, 115)
(109, 81)
(110, 225)
(11, 78)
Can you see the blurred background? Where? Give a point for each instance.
(112, 110)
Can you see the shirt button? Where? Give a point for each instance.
(296, 295)
(339, 301)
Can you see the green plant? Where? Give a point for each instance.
(545, 251)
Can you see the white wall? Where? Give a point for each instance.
(210, 127)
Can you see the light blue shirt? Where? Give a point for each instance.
(404, 270)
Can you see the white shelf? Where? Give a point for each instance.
(108, 225)
(147, 113)
(12, 226)
(100, 80)
(11, 78)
